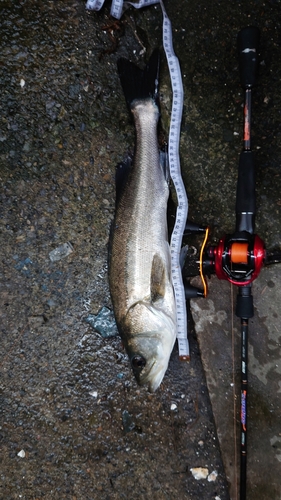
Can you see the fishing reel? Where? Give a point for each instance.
(238, 258)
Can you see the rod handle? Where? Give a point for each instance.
(248, 48)
(245, 194)
(244, 303)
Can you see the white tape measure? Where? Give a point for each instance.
(175, 170)
(174, 162)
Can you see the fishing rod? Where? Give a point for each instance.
(239, 256)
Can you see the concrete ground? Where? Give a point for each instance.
(74, 424)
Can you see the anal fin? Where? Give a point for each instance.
(121, 175)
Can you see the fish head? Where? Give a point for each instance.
(150, 343)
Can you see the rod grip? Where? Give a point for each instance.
(244, 304)
(248, 48)
(245, 194)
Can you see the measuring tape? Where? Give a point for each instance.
(175, 171)
(174, 162)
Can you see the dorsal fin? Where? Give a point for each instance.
(121, 176)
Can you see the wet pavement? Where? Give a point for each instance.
(74, 424)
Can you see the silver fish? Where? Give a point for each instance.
(140, 257)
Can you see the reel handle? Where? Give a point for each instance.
(248, 47)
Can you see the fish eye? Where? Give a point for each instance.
(138, 363)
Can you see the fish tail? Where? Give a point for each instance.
(140, 83)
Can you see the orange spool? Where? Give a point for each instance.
(239, 253)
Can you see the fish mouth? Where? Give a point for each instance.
(154, 377)
(148, 377)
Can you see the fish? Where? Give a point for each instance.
(140, 257)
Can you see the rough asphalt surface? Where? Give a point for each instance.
(74, 424)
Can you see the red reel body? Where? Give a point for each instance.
(237, 259)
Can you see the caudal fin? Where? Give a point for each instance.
(138, 83)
